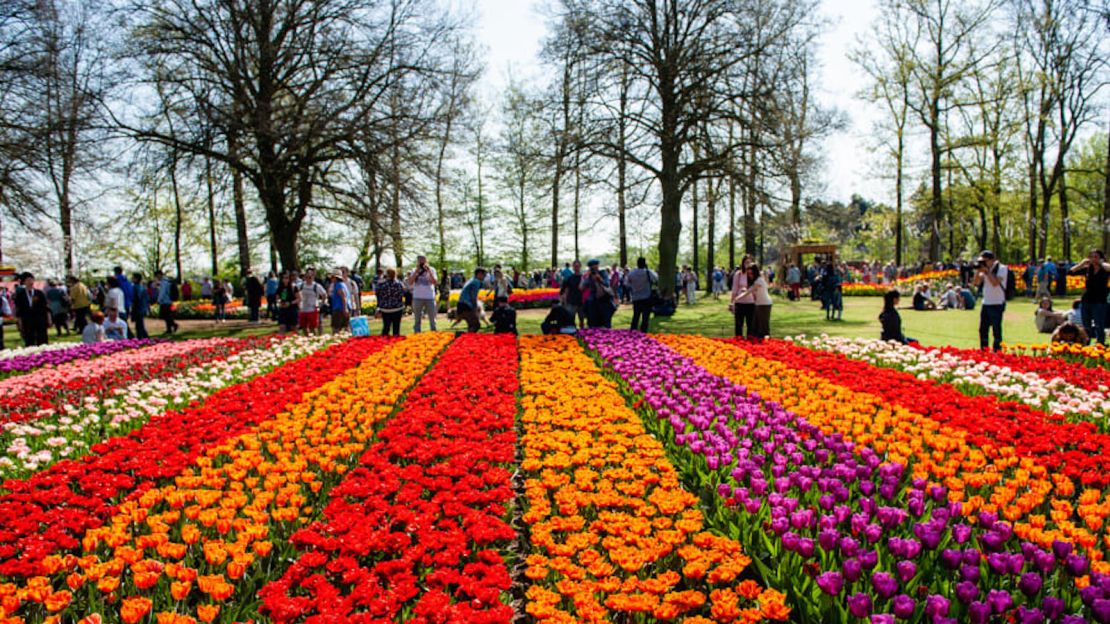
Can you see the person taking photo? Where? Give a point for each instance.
(991, 275)
(1093, 303)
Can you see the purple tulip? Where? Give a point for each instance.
(852, 570)
(1061, 549)
(1052, 607)
(970, 573)
(978, 613)
(885, 584)
(1101, 611)
(849, 546)
(1090, 594)
(966, 592)
(1076, 565)
(961, 533)
(859, 605)
(906, 570)
(936, 605)
(882, 618)
(1073, 619)
(830, 582)
(1030, 616)
(869, 559)
(1030, 584)
(1000, 601)
(951, 558)
(903, 606)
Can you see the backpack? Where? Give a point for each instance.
(1011, 285)
(175, 292)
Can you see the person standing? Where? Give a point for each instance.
(80, 300)
(991, 274)
(6, 311)
(570, 293)
(641, 283)
(206, 288)
(311, 293)
(718, 283)
(219, 299)
(1045, 274)
(128, 293)
(140, 305)
(32, 312)
(742, 303)
(271, 295)
(794, 281)
(339, 298)
(1093, 303)
(288, 303)
(690, 285)
(253, 289)
(599, 296)
(759, 326)
(391, 303)
(467, 307)
(422, 282)
(165, 302)
(115, 297)
(58, 299)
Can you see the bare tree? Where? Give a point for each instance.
(521, 168)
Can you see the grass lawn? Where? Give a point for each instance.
(711, 318)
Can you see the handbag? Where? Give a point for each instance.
(359, 326)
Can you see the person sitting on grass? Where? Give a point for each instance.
(891, 320)
(115, 328)
(967, 297)
(504, 317)
(93, 331)
(1047, 319)
(950, 299)
(921, 300)
(1075, 314)
(1070, 333)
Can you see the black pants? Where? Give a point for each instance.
(392, 321)
(140, 326)
(61, 321)
(743, 313)
(165, 312)
(990, 319)
(641, 314)
(35, 334)
(80, 319)
(760, 324)
(254, 311)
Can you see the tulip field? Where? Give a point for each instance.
(609, 477)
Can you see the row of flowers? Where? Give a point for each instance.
(851, 535)
(975, 375)
(39, 357)
(1090, 356)
(204, 544)
(47, 391)
(24, 351)
(613, 536)
(70, 432)
(1093, 378)
(50, 511)
(965, 444)
(418, 529)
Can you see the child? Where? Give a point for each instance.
(94, 330)
(504, 316)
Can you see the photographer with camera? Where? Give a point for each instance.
(991, 275)
(599, 295)
(422, 283)
(1093, 304)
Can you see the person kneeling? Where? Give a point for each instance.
(558, 321)
(504, 317)
(1070, 333)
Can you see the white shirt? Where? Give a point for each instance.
(995, 295)
(422, 287)
(1075, 316)
(114, 330)
(115, 300)
(310, 296)
(759, 292)
(92, 333)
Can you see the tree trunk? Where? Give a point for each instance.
(898, 182)
(177, 214)
(1033, 211)
(577, 198)
(731, 209)
(238, 201)
(65, 220)
(1065, 217)
(556, 182)
(937, 201)
(396, 236)
(694, 231)
(441, 219)
(711, 232)
(750, 246)
(481, 260)
(211, 217)
(1106, 201)
(622, 208)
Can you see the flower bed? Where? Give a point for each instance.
(50, 511)
(46, 391)
(854, 535)
(37, 357)
(419, 526)
(71, 431)
(613, 535)
(208, 539)
(977, 372)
